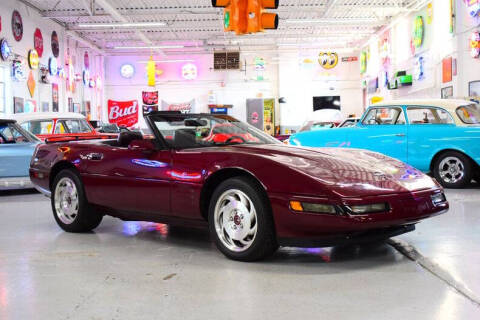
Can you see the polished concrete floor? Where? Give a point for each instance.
(139, 270)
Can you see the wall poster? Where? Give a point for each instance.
(55, 97)
(150, 101)
(17, 105)
(123, 113)
(447, 70)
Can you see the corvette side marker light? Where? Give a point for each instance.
(296, 205)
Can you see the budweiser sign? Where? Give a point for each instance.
(123, 113)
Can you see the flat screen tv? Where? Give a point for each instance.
(326, 102)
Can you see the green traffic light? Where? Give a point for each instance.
(226, 19)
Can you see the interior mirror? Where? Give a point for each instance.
(195, 122)
(142, 145)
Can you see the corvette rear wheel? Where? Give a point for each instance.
(69, 204)
(453, 170)
(240, 220)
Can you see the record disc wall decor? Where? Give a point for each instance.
(38, 42)
(17, 25)
(55, 45)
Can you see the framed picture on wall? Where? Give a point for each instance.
(55, 97)
(447, 92)
(70, 104)
(447, 65)
(474, 88)
(45, 106)
(76, 107)
(18, 105)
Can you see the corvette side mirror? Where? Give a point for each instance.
(145, 146)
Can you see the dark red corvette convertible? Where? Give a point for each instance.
(253, 192)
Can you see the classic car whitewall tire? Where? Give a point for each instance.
(69, 204)
(453, 169)
(240, 220)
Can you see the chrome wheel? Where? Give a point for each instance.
(66, 200)
(235, 220)
(451, 170)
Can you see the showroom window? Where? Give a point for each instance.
(384, 116)
(428, 115)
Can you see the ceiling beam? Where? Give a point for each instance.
(120, 18)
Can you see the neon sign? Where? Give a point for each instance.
(473, 7)
(5, 49)
(475, 44)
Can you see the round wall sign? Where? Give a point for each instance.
(5, 49)
(418, 32)
(17, 25)
(55, 45)
(52, 66)
(189, 71)
(127, 70)
(328, 60)
(33, 59)
(38, 42)
(86, 60)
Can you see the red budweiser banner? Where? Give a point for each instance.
(123, 113)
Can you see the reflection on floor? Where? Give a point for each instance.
(142, 270)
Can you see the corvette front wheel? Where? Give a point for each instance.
(240, 220)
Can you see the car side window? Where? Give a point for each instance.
(428, 115)
(60, 127)
(384, 116)
(38, 127)
(10, 134)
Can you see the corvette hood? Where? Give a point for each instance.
(348, 172)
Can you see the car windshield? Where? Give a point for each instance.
(469, 114)
(182, 131)
(13, 133)
(72, 126)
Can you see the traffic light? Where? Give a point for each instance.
(247, 16)
(258, 20)
(234, 15)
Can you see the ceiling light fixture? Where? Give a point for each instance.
(150, 47)
(169, 61)
(121, 25)
(334, 21)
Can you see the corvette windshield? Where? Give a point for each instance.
(194, 131)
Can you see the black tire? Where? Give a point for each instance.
(446, 180)
(86, 218)
(264, 242)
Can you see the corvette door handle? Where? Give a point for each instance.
(94, 156)
(400, 135)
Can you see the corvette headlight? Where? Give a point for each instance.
(369, 208)
(312, 207)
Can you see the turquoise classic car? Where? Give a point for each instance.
(437, 136)
(16, 150)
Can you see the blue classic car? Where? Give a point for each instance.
(16, 149)
(438, 136)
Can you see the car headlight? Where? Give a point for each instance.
(313, 207)
(368, 208)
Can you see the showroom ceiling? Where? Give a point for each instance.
(177, 26)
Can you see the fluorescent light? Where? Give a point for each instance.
(121, 25)
(169, 61)
(335, 21)
(152, 47)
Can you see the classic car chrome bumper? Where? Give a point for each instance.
(9, 183)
